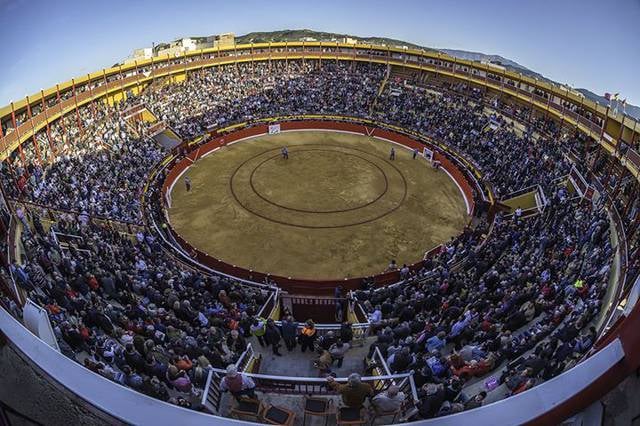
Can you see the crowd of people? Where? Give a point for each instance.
(97, 162)
(100, 167)
(509, 159)
(237, 93)
(526, 297)
(129, 311)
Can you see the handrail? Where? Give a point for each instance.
(269, 300)
(622, 277)
(248, 353)
(383, 362)
(318, 379)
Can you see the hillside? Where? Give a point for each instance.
(296, 35)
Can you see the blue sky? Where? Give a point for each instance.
(591, 44)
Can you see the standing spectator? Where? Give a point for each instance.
(338, 350)
(308, 336)
(258, 329)
(346, 332)
(272, 337)
(354, 393)
(289, 331)
(323, 363)
(326, 341)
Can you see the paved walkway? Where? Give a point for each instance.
(296, 363)
(300, 364)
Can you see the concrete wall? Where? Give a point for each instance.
(25, 389)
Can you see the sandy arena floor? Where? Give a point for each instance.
(338, 207)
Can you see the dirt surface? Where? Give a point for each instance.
(338, 207)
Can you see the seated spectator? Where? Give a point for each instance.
(388, 401)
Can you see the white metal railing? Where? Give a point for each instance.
(294, 385)
(245, 358)
(380, 361)
(212, 394)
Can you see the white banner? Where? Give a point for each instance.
(274, 129)
(428, 154)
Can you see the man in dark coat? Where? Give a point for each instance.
(289, 328)
(272, 337)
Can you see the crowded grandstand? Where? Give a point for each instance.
(521, 296)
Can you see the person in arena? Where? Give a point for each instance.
(187, 183)
(285, 153)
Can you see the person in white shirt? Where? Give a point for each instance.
(389, 400)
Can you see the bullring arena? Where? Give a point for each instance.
(337, 204)
(207, 238)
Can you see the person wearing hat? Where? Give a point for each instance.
(308, 336)
(354, 392)
(237, 383)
